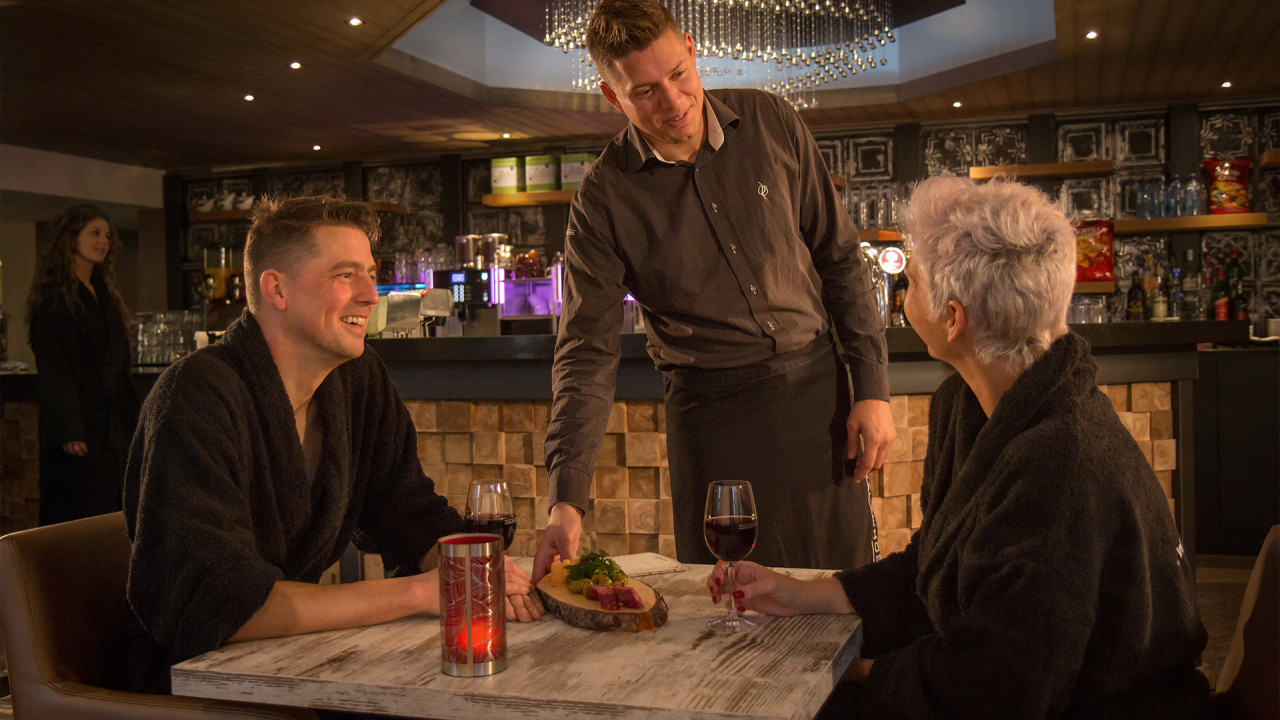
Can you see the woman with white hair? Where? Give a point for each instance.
(1047, 579)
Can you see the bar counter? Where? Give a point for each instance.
(481, 404)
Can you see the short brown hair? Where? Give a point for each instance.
(618, 28)
(281, 236)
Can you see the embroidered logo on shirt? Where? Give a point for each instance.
(763, 189)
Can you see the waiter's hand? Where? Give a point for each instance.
(871, 428)
(75, 447)
(559, 540)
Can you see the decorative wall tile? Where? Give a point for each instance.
(300, 184)
(948, 151)
(832, 154)
(1084, 141)
(1087, 198)
(1000, 145)
(1228, 135)
(1140, 142)
(869, 157)
(1269, 136)
(1128, 184)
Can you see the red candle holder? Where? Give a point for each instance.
(473, 620)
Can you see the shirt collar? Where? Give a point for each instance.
(719, 116)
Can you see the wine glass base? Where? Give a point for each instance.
(731, 625)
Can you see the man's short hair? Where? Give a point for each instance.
(282, 235)
(618, 28)
(1004, 252)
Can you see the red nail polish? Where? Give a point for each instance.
(738, 594)
(715, 599)
(742, 608)
(718, 581)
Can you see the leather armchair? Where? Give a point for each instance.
(62, 616)
(1247, 687)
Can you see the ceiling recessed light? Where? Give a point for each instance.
(1092, 34)
(295, 65)
(248, 98)
(956, 104)
(355, 22)
(315, 147)
(506, 135)
(1226, 84)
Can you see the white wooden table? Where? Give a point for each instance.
(783, 669)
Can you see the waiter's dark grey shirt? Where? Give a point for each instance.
(741, 255)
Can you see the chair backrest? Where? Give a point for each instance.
(1249, 683)
(62, 616)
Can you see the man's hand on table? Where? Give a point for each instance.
(559, 540)
(871, 435)
(522, 601)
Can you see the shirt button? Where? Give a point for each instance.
(715, 208)
(753, 290)
(733, 248)
(769, 324)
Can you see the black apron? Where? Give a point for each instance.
(779, 424)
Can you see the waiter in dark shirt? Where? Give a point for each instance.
(716, 212)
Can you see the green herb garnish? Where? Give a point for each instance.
(593, 568)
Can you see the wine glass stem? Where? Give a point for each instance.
(731, 612)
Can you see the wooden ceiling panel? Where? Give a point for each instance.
(160, 82)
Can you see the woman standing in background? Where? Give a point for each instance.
(88, 408)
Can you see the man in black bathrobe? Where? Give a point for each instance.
(258, 459)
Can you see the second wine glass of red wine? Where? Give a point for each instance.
(729, 527)
(489, 510)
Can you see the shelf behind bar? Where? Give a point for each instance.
(1232, 221)
(195, 216)
(1044, 171)
(874, 235)
(1270, 159)
(528, 199)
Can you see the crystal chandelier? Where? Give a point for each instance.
(788, 47)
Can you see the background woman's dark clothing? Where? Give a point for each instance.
(85, 394)
(1047, 579)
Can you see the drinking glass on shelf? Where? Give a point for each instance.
(729, 527)
(490, 510)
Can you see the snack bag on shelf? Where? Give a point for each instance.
(1228, 185)
(1095, 253)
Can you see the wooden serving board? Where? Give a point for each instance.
(578, 611)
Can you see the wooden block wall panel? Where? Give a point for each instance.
(1165, 478)
(430, 448)
(543, 480)
(664, 483)
(488, 448)
(521, 480)
(1140, 425)
(1161, 424)
(1145, 447)
(424, 415)
(617, 418)
(517, 417)
(541, 512)
(539, 444)
(666, 517)
(541, 416)
(915, 515)
(898, 410)
(1119, 396)
(614, 544)
(642, 483)
(900, 451)
(639, 543)
(1164, 455)
(488, 417)
(459, 478)
(890, 512)
(642, 516)
(611, 516)
(644, 449)
(892, 541)
(611, 482)
(667, 545)
(642, 416)
(518, 447)
(455, 416)
(897, 480)
(525, 543)
(918, 410)
(919, 442)
(612, 450)
(457, 448)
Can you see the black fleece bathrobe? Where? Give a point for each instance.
(219, 504)
(1047, 579)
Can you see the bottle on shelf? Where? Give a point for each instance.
(1236, 307)
(1150, 279)
(1137, 299)
(1208, 277)
(1221, 296)
(1159, 300)
(1157, 197)
(1193, 196)
(897, 310)
(1191, 308)
(1175, 294)
(1173, 197)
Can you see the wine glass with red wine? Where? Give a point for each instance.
(730, 530)
(489, 510)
